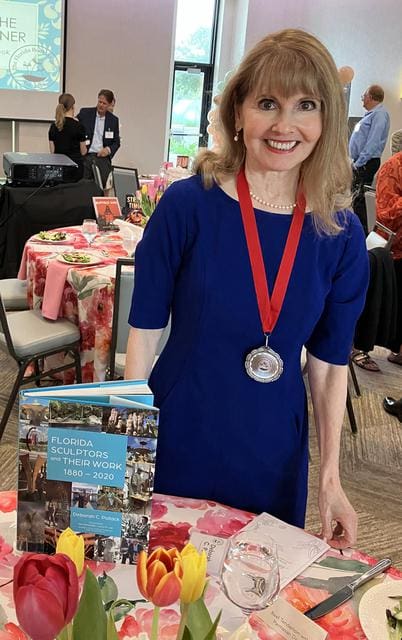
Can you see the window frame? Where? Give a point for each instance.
(208, 69)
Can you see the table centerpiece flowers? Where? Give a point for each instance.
(53, 603)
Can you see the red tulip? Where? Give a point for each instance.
(45, 594)
(159, 576)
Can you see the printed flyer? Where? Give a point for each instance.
(87, 461)
(106, 211)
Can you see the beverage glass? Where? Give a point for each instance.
(89, 230)
(250, 572)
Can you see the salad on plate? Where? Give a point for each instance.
(52, 236)
(394, 620)
(77, 257)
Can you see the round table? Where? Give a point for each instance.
(173, 520)
(87, 296)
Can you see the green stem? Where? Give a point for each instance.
(183, 620)
(66, 633)
(155, 624)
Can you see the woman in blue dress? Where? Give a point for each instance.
(233, 422)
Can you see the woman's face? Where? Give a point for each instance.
(279, 133)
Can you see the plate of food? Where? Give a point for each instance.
(54, 237)
(79, 258)
(380, 611)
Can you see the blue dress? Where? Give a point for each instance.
(224, 436)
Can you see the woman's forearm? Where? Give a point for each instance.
(328, 386)
(141, 349)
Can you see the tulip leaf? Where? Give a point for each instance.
(199, 621)
(187, 634)
(211, 633)
(121, 608)
(111, 628)
(108, 588)
(90, 620)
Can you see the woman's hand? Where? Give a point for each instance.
(338, 518)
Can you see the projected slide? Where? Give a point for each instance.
(31, 33)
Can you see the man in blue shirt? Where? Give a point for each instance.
(366, 145)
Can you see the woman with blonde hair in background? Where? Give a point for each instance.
(254, 257)
(66, 134)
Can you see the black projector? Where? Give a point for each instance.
(33, 169)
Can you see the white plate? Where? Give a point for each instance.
(67, 239)
(373, 605)
(94, 260)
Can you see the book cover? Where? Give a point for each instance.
(87, 461)
(106, 211)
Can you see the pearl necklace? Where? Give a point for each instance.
(284, 207)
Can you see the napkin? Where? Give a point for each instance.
(54, 287)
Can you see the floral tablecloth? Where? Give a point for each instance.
(173, 520)
(87, 297)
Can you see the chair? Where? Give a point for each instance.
(14, 294)
(97, 175)
(374, 239)
(369, 197)
(125, 182)
(29, 339)
(123, 291)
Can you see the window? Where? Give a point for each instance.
(193, 76)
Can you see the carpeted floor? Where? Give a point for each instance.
(371, 461)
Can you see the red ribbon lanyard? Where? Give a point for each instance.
(269, 308)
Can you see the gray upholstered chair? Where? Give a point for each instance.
(29, 339)
(14, 294)
(123, 292)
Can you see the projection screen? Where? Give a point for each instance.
(31, 58)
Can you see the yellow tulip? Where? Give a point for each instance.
(72, 546)
(194, 574)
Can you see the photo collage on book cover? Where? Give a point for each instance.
(44, 505)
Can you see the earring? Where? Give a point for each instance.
(236, 136)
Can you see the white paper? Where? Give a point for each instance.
(290, 623)
(296, 548)
(214, 547)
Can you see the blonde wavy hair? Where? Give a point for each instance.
(66, 102)
(286, 63)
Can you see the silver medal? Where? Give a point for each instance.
(264, 364)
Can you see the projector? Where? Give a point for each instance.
(33, 169)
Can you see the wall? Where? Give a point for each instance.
(364, 34)
(124, 45)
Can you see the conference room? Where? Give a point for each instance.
(166, 61)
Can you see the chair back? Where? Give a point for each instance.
(125, 181)
(370, 199)
(374, 239)
(6, 331)
(97, 175)
(123, 292)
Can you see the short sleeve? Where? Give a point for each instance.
(332, 337)
(52, 131)
(158, 258)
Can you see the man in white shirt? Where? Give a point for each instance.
(102, 130)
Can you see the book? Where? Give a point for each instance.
(106, 211)
(87, 461)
